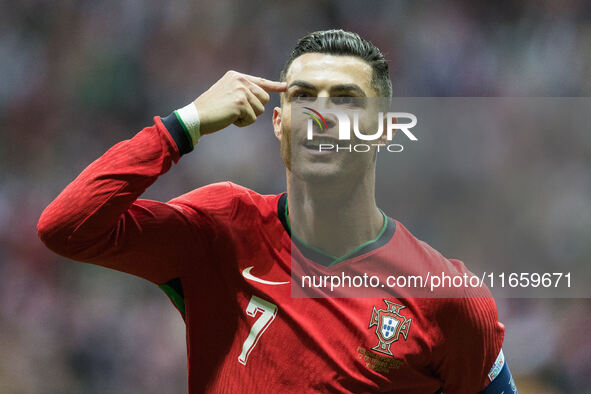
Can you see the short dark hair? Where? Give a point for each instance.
(345, 43)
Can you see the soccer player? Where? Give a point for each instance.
(223, 253)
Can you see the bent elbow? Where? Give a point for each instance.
(51, 231)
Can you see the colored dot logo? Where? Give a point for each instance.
(317, 117)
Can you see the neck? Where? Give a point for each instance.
(335, 218)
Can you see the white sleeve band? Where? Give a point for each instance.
(190, 119)
(497, 366)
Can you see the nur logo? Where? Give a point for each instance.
(391, 119)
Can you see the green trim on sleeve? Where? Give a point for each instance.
(185, 128)
(177, 299)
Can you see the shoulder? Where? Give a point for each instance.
(423, 257)
(476, 313)
(468, 300)
(414, 246)
(215, 198)
(225, 199)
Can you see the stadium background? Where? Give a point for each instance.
(76, 77)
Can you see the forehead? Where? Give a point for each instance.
(321, 69)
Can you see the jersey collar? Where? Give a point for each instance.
(323, 258)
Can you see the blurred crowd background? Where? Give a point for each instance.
(78, 76)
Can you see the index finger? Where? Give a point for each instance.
(268, 85)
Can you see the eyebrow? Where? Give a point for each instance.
(301, 84)
(348, 87)
(335, 88)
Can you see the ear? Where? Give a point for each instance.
(277, 122)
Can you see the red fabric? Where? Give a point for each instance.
(209, 236)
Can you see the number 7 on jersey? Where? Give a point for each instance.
(268, 311)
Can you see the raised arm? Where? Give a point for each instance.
(99, 219)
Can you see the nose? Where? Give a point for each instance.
(331, 120)
(323, 94)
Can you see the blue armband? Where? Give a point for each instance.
(502, 383)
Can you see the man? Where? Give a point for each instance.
(224, 253)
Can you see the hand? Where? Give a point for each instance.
(234, 99)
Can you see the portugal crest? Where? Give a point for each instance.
(390, 324)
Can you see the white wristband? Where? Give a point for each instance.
(189, 117)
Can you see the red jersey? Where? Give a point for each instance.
(223, 255)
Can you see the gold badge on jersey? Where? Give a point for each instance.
(377, 362)
(390, 324)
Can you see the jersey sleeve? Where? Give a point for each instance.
(99, 219)
(472, 339)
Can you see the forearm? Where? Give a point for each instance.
(91, 206)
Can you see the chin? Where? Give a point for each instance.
(318, 173)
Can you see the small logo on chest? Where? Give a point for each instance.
(390, 324)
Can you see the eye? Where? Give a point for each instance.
(345, 99)
(302, 95)
(348, 100)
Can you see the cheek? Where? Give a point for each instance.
(285, 115)
(285, 135)
(285, 125)
(286, 144)
(368, 123)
